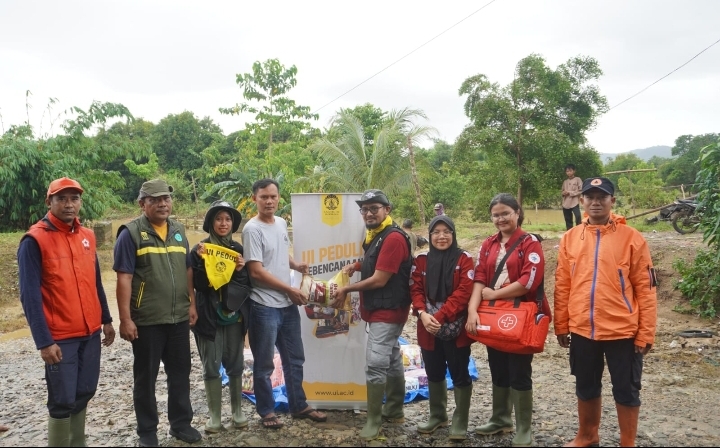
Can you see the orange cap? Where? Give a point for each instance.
(61, 184)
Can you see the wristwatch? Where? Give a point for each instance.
(420, 312)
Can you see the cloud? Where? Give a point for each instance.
(167, 56)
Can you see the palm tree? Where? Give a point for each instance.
(349, 163)
(404, 122)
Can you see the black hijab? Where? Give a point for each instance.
(441, 264)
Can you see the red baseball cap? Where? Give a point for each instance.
(61, 184)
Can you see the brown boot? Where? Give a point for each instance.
(628, 422)
(589, 412)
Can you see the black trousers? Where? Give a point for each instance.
(510, 370)
(447, 356)
(568, 214)
(587, 362)
(169, 343)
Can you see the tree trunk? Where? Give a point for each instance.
(416, 184)
(519, 165)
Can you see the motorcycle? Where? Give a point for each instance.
(686, 216)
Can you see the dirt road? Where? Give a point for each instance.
(680, 389)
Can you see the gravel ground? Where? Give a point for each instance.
(680, 394)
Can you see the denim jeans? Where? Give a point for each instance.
(271, 327)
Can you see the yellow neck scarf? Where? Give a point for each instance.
(372, 233)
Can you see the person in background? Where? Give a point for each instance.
(156, 302)
(407, 227)
(605, 309)
(385, 305)
(439, 209)
(65, 306)
(274, 308)
(520, 277)
(442, 281)
(570, 196)
(223, 316)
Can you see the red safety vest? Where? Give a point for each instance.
(69, 292)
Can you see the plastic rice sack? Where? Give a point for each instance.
(319, 292)
(412, 357)
(276, 378)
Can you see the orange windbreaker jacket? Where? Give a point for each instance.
(605, 283)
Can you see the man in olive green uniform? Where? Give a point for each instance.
(157, 308)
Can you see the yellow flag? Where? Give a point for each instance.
(219, 264)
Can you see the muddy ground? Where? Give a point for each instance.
(680, 388)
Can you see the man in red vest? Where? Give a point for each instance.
(66, 308)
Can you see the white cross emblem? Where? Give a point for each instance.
(507, 322)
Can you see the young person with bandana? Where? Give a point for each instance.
(520, 277)
(442, 281)
(222, 316)
(385, 305)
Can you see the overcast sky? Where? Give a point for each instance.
(165, 57)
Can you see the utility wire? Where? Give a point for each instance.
(413, 51)
(686, 63)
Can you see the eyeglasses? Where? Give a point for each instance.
(503, 216)
(156, 200)
(441, 232)
(371, 210)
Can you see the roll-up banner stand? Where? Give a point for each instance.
(327, 234)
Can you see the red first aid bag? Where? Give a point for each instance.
(512, 326)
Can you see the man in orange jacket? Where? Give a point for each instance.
(65, 305)
(605, 308)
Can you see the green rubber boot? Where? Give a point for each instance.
(77, 429)
(58, 431)
(523, 402)
(502, 408)
(213, 393)
(239, 421)
(375, 394)
(392, 410)
(438, 408)
(458, 429)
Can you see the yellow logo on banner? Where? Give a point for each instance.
(219, 264)
(331, 209)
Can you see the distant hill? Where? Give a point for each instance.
(645, 153)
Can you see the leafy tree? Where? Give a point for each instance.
(31, 163)
(347, 163)
(404, 121)
(701, 279)
(536, 123)
(372, 119)
(622, 162)
(277, 117)
(179, 139)
(271, 146)
(440, 154)
(683, 170)
(131, 142)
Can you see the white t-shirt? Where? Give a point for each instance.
(269, 244)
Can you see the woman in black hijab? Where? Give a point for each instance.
(442, 281)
